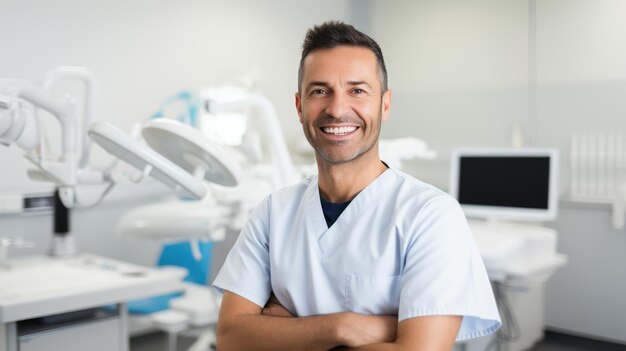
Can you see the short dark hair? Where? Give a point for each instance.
(334, 33)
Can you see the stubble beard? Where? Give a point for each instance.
(339, 159)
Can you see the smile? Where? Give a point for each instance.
(338, 130)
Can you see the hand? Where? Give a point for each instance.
(275, 309)
(359, 329)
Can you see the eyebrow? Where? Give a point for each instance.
(326, 84)
(359, 83)
(318, 84)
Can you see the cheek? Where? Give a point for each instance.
(306, 122)
(368, 110)
(312, 106)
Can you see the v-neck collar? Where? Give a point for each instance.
(331, 238)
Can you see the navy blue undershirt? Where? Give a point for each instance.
(332, 210)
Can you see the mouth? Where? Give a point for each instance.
(339, 130)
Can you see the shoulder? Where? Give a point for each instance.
(285, 197)
(419, 206)
(292, 193)
(281, 203)
(415, 193)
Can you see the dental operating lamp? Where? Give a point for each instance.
(179, 156)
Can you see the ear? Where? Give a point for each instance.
(385, 105)
(299, 106)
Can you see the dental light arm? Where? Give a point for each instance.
(85, 77)
(17, 124)
(286, 175)
(64, 172)
(58, 109)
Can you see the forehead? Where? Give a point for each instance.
(343, 62)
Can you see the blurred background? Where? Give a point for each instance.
(477, 73)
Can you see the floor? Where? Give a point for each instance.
(158, 342)
(562, 342)
(552, 342)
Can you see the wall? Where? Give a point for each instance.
(581, 76)
(581, 85)
(586, 296)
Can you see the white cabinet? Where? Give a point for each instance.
(54, 304)
(100, 334)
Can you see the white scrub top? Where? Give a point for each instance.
(401, 247)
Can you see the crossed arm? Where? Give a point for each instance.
(243, 325)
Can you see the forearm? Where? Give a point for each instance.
(260, 332)
(380, 347)
(243, 325)
(428, 333)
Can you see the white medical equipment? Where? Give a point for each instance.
(519, 258)
(598, 172)
(176, 150)
(46, 301)
(5, 243)
(282, 169)
(394, 151)
(500, 186)
(219, 208)
(19, 124)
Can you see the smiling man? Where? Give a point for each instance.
(362, 255)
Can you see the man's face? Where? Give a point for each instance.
(340, 104)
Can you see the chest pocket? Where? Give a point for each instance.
(372, 294)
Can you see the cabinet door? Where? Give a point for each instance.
(99, 335)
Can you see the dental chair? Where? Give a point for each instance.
(193, 311)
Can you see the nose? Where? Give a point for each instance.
(337, 106)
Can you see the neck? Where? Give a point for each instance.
(340, 182)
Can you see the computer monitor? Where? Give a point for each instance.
(507, 184)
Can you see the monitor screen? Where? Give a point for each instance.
(505, 183)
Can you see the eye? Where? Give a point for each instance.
(358, 91)
(318, 92)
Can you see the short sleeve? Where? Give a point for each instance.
(443, 271)
(246, 270)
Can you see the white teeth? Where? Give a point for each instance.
(338, 130)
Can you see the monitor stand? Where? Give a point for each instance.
(519, 258)
(502, 223)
